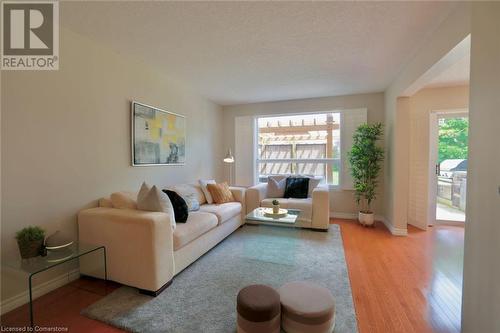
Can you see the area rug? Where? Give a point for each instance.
(202, 298)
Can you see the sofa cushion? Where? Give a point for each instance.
(223, 211)
(305, 205)
(197, 224)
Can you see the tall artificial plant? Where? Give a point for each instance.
(366, 158)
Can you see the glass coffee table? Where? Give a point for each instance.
(33, 266)
(257, 216)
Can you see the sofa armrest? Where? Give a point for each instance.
(139, 245)
(321, 207)
(255, 195)
(239, 194)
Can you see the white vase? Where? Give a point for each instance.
(366, 219)
(276, 209)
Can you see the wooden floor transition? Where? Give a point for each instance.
(400, 284)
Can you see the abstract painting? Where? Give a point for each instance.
(158, 136)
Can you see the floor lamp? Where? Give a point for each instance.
(229, 159)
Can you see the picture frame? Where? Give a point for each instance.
(158, 137)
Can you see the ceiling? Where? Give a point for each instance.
(244, 52)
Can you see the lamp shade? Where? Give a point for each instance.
(229, 157)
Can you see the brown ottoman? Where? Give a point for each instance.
(306, 307)
(258, 309)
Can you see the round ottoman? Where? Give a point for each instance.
(258, 309)
(306, 307)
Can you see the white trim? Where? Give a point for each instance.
(395, 231)
(388, 225)
(450, 222)
(42, 289)
(348, 216)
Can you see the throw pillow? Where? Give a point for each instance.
(191, 201)
(123, 200)
(180, 206)
(157, 201)
(220, 193)
(145, 188)
(206, 192)
(275, 187)
(296, 187)
(105, 202)
(313, 183)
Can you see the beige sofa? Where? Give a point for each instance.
(315, 210)
(142, 249)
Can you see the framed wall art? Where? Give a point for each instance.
(158, 136)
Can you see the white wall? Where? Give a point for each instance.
(421, 105)
(66, 137)
(481, 294)
(341, 201)
(451, 32)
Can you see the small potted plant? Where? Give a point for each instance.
(365, 158)
(276, 206)
(30, 241)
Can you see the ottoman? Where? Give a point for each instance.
(258, 309)
(306, 307)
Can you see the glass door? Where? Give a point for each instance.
(451, 167)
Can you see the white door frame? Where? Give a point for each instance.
(433, 157)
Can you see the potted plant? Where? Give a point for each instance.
(365, 158)
(30, 241)
(276, 206)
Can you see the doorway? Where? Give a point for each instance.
(448, 161)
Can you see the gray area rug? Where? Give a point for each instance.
(202, 298)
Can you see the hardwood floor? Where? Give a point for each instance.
(399, 284)
(405, 284)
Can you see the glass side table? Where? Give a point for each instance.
(33, 266)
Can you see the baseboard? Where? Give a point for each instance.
(395, 231)
(388, 225)
(42, 289)
(347, 216)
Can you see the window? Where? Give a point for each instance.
(307, 144)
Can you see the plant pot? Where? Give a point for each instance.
(366, 219)
(276, 209)
(31, 249)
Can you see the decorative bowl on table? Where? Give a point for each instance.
(270, 213)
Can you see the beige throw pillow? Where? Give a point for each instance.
(123, 200)
(203, 185)
(276, 187)
(156, 200)
(145, 188)
(105, 202)
(313, 183)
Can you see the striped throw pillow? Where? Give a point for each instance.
(220, 193)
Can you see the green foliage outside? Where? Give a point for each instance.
(453, 138)
(30, 234)
(365, 158)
